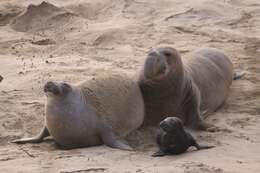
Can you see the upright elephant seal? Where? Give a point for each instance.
(174, 139)
(100, 110)
(188, 87)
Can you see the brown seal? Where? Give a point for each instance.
(188, 87)
(101, 110)
(174, 139)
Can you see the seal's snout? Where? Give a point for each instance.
(163, 125)
(52, 88)
(48, 86)
(155, 65)
(161, 68)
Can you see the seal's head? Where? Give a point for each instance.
(160, 62)
(55, 89)
(171, 124)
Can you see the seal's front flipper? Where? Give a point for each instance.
(113, 141)
(159, 153)
(37, 139)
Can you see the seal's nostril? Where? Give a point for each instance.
(162, 69)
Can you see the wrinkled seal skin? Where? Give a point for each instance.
(173, 139)
(188, 87)
(100, 110)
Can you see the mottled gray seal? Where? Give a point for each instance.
(174, 139)
(188, 87)
(101, 110)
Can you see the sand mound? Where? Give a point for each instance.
(205, 14)
(8, 12)
(100, 10)
(47, 17)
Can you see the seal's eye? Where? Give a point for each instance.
(167, 54)
(66, 88)
(66, 85)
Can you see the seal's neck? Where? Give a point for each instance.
(68, 105)
(169, 86)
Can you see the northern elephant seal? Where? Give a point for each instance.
(188, 87)
(100, 110)
(174, 139)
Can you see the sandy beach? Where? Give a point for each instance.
(74, 40)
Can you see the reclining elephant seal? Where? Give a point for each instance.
(98, 111)
(174, 139)
(188, 88)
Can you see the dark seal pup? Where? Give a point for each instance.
(189, 87)
(98, 111)
(174, 139)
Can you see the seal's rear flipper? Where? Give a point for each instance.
(37, 139)
(159, 153)
(194, 143)
(238, 75)
(205, 147)
(203, 126)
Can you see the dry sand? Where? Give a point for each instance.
(71, 40)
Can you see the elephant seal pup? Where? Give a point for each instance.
(174, 139)
(100, 110)
(188, 88)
